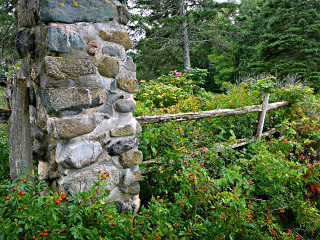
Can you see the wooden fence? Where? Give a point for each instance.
(262, 109)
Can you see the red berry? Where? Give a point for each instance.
(14, 189)
(312, 229)
(46, 230)
(40, 234)
(19, 208)
(113, 224)
(25, 181)
(46, 234)
(105, 215)
(8, 198)
(111, 217)
(33, 237)
(21, 179)
(104, 173)
(23, 194)
(157, 236)
(20, 199)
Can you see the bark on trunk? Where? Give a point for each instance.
(185, 42)
(19, 135)
(207, 114)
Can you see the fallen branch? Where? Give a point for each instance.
(207, 114)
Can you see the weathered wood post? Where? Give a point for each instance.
(265, 97)
(19, 133)
(74, 58)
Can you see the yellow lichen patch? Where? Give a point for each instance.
(75, 3)
(107, 0)
(119, 37)
(62, 4)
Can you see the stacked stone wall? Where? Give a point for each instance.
(81, 86)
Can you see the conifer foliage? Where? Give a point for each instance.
(290, 41)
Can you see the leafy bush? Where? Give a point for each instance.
(170, 89)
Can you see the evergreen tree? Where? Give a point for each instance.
(164, 22)
(286, 39)
(8, 53)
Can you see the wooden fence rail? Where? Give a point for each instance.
(216, 113)
(208, 114)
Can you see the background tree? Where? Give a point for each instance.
(281, 37)
(163, 22)
(8, 53)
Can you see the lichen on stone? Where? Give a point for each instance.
(119, 37)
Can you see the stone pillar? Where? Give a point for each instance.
(82, 83)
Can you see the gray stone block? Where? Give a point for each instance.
(71, 12)
(113, 51)
(130, 65)
(79, 154)
(24, 43)
(65, 68)
(74, 126)
(60, 41)
(84, 180)
(74, 99)
(132, 189)
(131, 158)
(126, 130)
(125, 105)
(128, 84)
(123, 146)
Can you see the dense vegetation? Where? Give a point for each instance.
(268, 189)
(194, 186)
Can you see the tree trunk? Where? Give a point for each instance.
(19, 134)
(185, 41)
